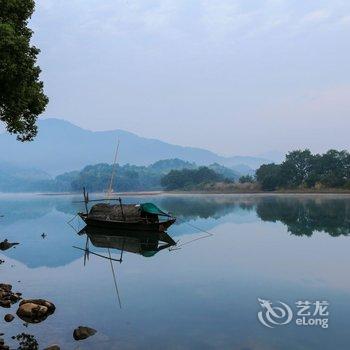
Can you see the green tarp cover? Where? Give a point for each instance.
(149, 253)
(152, 209)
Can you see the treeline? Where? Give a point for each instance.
(153, 177)
(302, 169)
(97, 177)
(191, 179)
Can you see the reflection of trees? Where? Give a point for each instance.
(304, 216)
(17, 208)
(14, 210)
(186, 207)
(199, 207)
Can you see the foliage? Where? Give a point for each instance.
(187, 179)
(296, 169)
(302, 169)
(246, 178)
(269, 176)
(96, 178)
(127, 178)
(165, 165)
(22, 98)
(224, 171)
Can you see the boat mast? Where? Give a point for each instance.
(110, 188)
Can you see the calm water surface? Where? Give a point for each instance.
(201, 296)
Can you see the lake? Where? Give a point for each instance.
(232, 250)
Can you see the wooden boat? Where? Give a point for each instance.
(133, 217)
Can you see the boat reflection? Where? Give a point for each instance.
(143, 243)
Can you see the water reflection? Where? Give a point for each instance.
(208, 289)
(304, 216)
(146, 244)
(28, 219)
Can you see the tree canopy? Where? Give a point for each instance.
(302, 169)
(22, 98)
(246, 178)
(187, 179)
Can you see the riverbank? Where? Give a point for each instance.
(186, 192)
(204, 192)
(328, 191)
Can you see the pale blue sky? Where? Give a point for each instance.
(237, 77)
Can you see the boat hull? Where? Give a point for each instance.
(126, 225)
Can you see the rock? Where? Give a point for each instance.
(53, 347)
(35, 310)
(3, 346)
(5, 303)
(26, 341)
(81, 333)
(7, 297)
(4, 245)
(5, 287)
(9, 318)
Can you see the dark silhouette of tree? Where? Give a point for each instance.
(269, 176)
(296, 168)
(187, 179)
(301, 169)
(22, 98)
(246, 178)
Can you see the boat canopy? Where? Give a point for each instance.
(126, 212)
(151, 208)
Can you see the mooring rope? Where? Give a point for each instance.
(208, 234)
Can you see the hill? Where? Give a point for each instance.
(17, 178)
(139, 178)
(61, 146)
(96, 177)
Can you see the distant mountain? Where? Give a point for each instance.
(61, 146)
(165, 165)
(274, 156)
(225, 172)
(97, 177)
(21, 173)
(20, 178)
(136, 178)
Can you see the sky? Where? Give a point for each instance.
(236, 77)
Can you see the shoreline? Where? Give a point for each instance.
(296, 192)
(206, 192)
(191, 192)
